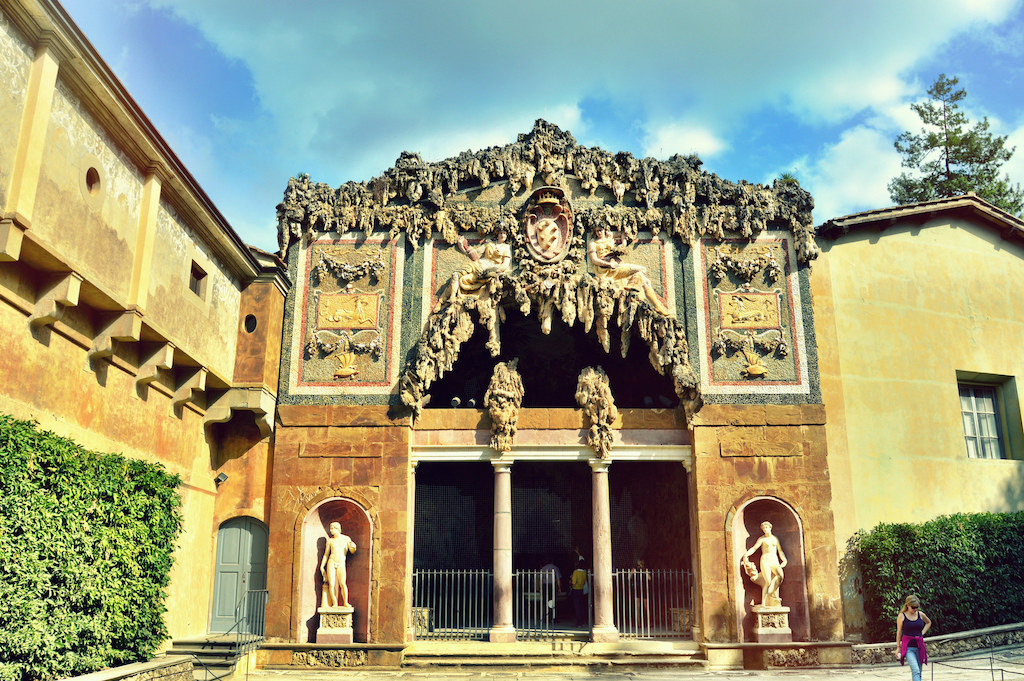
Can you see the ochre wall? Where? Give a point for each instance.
(97, 231)
(743, 452)
(206, 324)
(15, 61)
(44, 378)
(58, 120)
(354, 453)
(898, 313)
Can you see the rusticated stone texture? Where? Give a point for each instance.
(315, 460)
(723, 483)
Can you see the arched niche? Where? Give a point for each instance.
(745, 530)
(356, 523)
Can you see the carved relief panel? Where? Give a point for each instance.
(750, 323)
(345, 327)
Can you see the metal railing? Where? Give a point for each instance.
(991, 664)
(452, 604)
(534, 594)
(250, 621)
(653, 603)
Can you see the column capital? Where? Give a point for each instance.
(501, 465)
(599, 465)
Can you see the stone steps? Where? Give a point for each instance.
(215, 655)
(553, 654)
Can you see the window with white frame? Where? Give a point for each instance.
(979, 407)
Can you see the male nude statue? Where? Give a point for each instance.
(332, 567)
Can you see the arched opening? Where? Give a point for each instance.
(786, 525)
(355, 522)
(241, 567)
(551, 363)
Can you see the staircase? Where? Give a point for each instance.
(215, 655)
(553, 654)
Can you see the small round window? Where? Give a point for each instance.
(250, 323)
(92, 181)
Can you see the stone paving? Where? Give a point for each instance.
(1003, 664)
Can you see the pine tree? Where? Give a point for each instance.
(951, 156)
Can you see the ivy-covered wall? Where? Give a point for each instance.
(86, 541)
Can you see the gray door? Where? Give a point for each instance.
(241, 567)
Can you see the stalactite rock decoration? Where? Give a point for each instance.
(503, 399)
(492, 191)
(675, 196)
(594, 395)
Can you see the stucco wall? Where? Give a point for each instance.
(15, 63)
(206, 325)
(899, 313)
(97, 230)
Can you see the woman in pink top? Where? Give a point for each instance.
(911, 626)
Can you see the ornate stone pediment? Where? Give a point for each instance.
(552, 229)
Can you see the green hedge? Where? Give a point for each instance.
(86, 545)
(965, 568)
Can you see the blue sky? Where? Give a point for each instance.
(250, 92)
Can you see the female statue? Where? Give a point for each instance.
(773, 559)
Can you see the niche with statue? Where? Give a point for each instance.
(333, 596)
(769, 576)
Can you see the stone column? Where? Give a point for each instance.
(694, 551)
(502, 629)
(604, 623)
(410, 632)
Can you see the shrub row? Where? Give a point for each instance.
(86, 544)
(964, 567)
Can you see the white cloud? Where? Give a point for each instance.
(342, 88)
(852, 174)
(682, 138)
(1014, 168)
(341, 78)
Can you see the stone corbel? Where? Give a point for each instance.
(161, 358)
(257, 400)
(126, 327)
(187, 389)
(53, 300)
(12, 233)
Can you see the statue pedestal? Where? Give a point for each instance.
(335, 624)
(772, 624)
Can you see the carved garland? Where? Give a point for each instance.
(342, 341)
(345, 272)
(727, 260)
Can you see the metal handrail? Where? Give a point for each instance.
(999, 673)
(251, 610)
(206, 670)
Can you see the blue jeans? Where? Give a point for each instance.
(915, 664)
